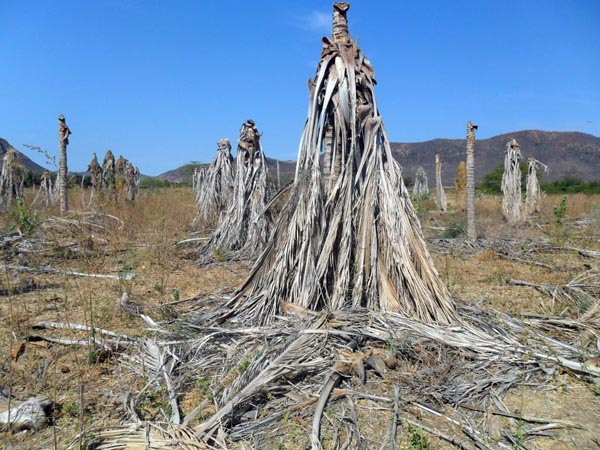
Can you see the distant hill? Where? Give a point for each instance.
(184, 173)
(566, 153)
(24, 160)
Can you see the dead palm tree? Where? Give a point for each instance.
(512, 203)
(471, 229)
(245, 229)
(12, 176)
(533, 194)
(442, 202)
(348, 235)
(214, 186)
(421, 186)
(63, 141)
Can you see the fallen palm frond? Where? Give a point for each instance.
(583, 291)
(260, 375)
(533, 194)
(421, 186)
(214, 186)
(348, 235)
(442, 202)
(245, 228)
(512, 204)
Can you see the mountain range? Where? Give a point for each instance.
(571, 154)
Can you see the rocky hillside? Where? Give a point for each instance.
(566, 153)
(27, 163)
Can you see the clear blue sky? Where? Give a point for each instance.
(161, 81)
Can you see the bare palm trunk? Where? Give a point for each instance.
(442, 202)
(471, 230)
(63, 141)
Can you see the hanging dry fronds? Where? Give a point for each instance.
(512, 203)
(533, 195)
(95, 171)
(470, 192)
(214, 186)
(349, 235)
(442, 202)
(12, 177)
(108, 175)
(421, 186)
(245, 229)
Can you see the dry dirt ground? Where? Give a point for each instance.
(88, 385)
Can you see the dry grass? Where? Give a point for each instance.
(89, 386)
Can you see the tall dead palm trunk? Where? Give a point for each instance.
(63, 141)
(471, 230)
(245, 228)
(442, 202)
(348, 235)
(512, 204)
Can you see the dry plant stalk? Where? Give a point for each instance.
(214, 186)
(348, 235)
(421, 186)
(471, 229)
(512, 204)
(442, 202)
(12, 177)
(245, 229)
(533, 196)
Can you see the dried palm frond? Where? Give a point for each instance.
(421, 186)
(512, 204)
(349, 235)
(442, 202)
(132, 182)
(533, 196)
(143, 436)
(214, 186)
(245, 229)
